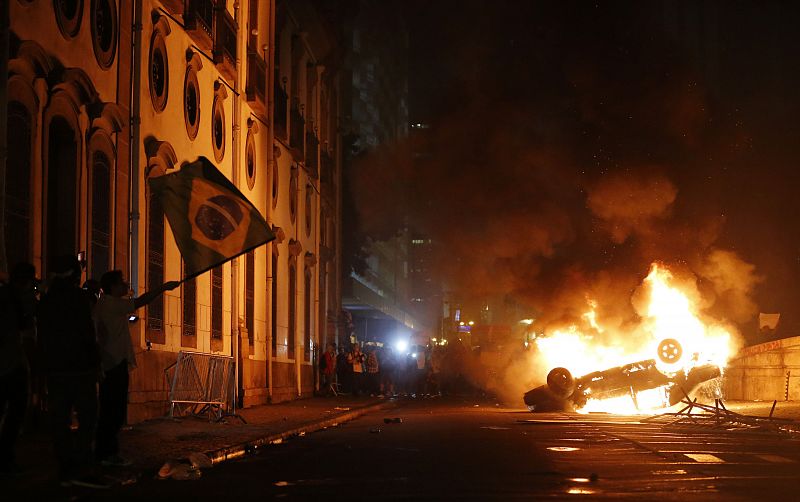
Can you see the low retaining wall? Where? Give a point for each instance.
(767, 371)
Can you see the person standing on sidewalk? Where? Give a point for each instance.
(72, 364)
(329, 369)
(373, 378)
(112, 317)
(17, 309)
(344, 372)
(357, 360)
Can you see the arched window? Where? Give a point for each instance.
(275, 180)
(249, 296)
(62, 189)
(18, 185)
(155, 269)
(274, 304)
(292, 321)
(293, 193)
(100, 251)
(309, 208)
(189, 311)
(216, 308)
(307, 298)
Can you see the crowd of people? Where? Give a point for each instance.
(65, 352)
(382, 371)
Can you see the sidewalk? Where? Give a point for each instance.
(152, 443)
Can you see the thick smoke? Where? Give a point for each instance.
(626, 206)
(559, 164)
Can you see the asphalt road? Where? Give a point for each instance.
(451, 449)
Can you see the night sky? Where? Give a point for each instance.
(573, 143)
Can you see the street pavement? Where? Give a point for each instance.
(460, 449)
(149, 445)
(444, 448)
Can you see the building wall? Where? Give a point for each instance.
(53, 74)
(767, 371)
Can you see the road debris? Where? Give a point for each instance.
(178, 471)
(718, 416)
(200, 461)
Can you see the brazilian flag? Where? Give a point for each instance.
(211, 220)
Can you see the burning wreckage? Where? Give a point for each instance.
(564, 392)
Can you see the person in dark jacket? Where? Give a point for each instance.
(17, 309)
(111, 315)
(72, 365)
(344, 372)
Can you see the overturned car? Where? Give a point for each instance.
(564, 392)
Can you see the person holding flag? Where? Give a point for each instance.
(211, 220)
(112, 316)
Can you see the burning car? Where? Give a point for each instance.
(564, 392)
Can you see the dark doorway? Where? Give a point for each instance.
(61, 190)
(18, 185)
(101, 216)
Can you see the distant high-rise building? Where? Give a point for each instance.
(379, 298)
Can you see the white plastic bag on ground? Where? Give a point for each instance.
(200, 461)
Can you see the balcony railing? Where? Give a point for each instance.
(225, 44)
(297, 125)
(281, 106)
(198, 18)
(256, 87)
(312, 150)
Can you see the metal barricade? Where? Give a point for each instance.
(201, 384)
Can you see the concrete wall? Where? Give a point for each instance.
(767, 371)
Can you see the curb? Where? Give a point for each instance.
(239, 450)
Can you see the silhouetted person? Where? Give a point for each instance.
(72, 364)
(373, 372)
(357, 361)
(328, 366)
(344, 371)
(17, 309)
(112, 314)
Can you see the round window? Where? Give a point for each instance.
(308, 208)
(218, 129)
(251, 161)
(159, 76)
(275, 180)
(68, 16)
(104, 31)
(293, 195)
(191, 103)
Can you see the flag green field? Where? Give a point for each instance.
(210, 218)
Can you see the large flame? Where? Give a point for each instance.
(670, 316)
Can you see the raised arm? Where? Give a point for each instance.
(148, 297)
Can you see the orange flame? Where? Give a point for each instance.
(670, 316)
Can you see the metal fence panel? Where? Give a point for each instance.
(201, 383)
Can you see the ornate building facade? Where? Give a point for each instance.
(103, 94)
